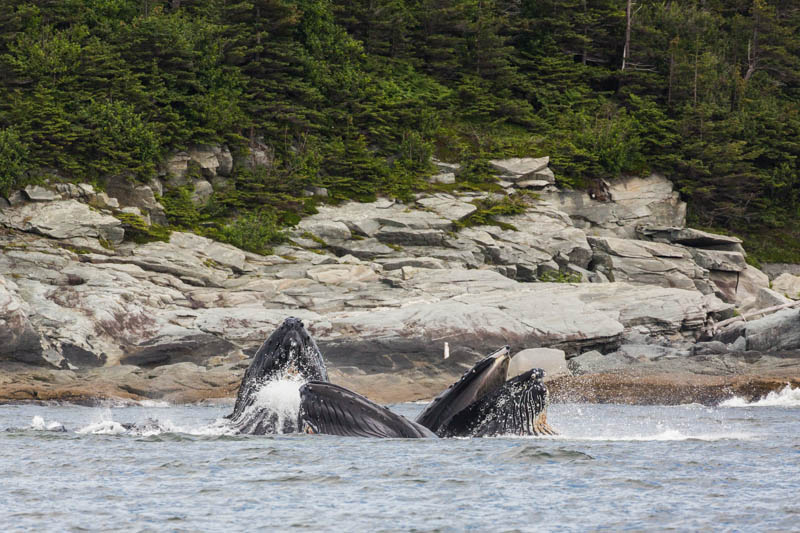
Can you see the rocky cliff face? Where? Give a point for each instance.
(382, 286)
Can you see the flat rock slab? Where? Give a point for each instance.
(686, 236)
(65, 219)
(517, 168)
(37, 193)
(448, 206)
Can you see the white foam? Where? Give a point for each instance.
(154, 403)
(280, 396)
(786, 397)
(38, 423)
(104, 427)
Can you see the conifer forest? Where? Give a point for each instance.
(356, 96)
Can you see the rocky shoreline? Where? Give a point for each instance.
(623, 295)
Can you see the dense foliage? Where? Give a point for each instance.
(356, 95)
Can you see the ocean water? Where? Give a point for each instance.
(735, 467)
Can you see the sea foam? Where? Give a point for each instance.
(786, 397)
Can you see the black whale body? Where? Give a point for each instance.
(480, 403)
(333, 410)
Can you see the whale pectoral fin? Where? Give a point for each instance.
(333, 410)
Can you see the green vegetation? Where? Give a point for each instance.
(137, 231)
(560, 277)
(355, 96)
(489, 208)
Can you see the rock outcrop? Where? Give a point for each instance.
(382, 286)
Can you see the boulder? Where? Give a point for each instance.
(202, 192)
(767, 298)
(131, 193)
(780, 331)
(326, 230)
(445, 178)
(176, 167)
(205, 157)
(788, 285)
(448, 206)
(719, 260)
(553, 362)
(102, 200)
(519, 168)
(16, 198)
(318, 192)
(37, 193)
(4, 203)
(64, 219)
(225, 160)
(748, 284)
(257, 155)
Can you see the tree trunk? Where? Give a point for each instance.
(626, 52)
(671, 71)
(696, 54)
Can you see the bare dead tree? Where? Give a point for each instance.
(626, 52)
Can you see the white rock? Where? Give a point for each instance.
(445, 178)
(63, 220)
(788, 285)
(37, 193)
(517, 168)
(325, 229)
(202, 192)
(552, 361)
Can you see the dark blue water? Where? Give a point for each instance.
(613, 467)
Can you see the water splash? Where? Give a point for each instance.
(276, 403)
(103, 427)
(38, 424)
(786, 397)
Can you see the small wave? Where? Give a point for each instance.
(786, 397)
(667, 435)
(536, 454)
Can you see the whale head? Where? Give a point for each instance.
(482, 379)
(518, 407)
(288, 352)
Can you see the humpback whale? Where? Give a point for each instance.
(481, 403)
(487, 375)
(289, 352)
(517, 407)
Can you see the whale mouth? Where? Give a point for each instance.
(486, 376)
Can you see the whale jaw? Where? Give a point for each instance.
(482, 379)
(518, 407)
(329, 409)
